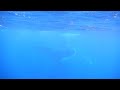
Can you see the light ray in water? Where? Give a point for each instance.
(70, 34)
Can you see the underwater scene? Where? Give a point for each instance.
(59, 44)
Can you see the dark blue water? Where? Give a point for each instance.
(60, 44)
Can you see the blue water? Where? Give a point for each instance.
(59, 45)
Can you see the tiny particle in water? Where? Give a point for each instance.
(16, 13)
(71, 23)
(29, 17)
(23, 15)
(106, 19)
(115, 16)
(90, 62)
